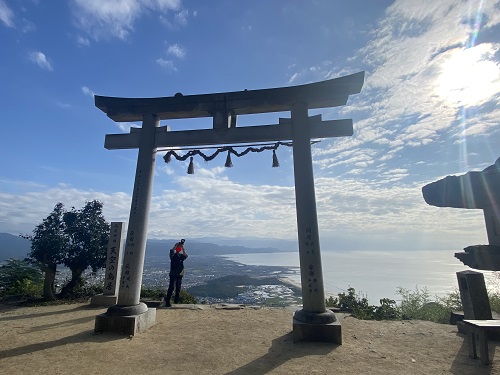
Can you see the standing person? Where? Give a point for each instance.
(177, 257)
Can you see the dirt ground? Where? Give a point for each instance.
(60, 340)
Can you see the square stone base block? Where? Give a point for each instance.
(330, 332)
(103, 300)
(128, 325)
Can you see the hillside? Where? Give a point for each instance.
(161, 247)
(16, 247)
(13, 247)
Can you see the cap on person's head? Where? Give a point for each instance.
(183, 240)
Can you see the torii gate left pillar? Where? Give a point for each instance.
(129, 315)
(313, 322)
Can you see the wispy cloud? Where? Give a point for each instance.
(6, 14)
(63, 105)
(88, 91)
(180, 18)
(110, 18)
(125, 126)
(41, 60)
(421, 73)
(352, 207)
(167, 64)
(83, 41)
(177, 51)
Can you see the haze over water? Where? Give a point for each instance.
(377, 274)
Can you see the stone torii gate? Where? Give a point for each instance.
(313, 322)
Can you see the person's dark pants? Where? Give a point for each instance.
(175, 281)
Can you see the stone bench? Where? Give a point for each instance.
(479, 329)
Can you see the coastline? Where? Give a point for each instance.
(376, 274)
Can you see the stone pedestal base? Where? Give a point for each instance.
(329, 332)
(103, 300)
(129, 325)
(322, 327)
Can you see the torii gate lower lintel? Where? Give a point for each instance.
(314, 322)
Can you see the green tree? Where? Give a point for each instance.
(48, 242)
(20, 277)
(87, 237)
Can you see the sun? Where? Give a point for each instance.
(469, 76)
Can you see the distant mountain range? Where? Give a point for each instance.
(16, 247)
(13, 247)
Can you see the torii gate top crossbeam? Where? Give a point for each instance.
(329, 93)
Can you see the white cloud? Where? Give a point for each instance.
(125, 126)
(420, 75)
(105, 18)
(28, 26)
(181, 17)
(167, 64)
(41, 60)
(293, 78)
(469, 76)
(209, 204)
(63, 105)
(6, 14)
(177, 51)
(83, 41)
(88, 91)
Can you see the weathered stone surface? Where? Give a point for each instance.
(481, 257)
(103, 300)
(129, 325)
(330, 332)
(473, 294)
(471, 190)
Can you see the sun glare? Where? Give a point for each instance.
(468, 76)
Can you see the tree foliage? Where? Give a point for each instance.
(361, 309)
(20, 277)
(76, 238)
(48, 242)
(87, 235)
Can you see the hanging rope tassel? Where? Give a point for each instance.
(191, 166)
(167, 157)
(229, 163)
(276, 163)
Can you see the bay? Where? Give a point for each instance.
(377, 274)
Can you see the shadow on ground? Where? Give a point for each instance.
(473, 366)
(48, 313)
(281, 351)
(85, 336)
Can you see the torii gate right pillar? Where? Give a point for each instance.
(314, 322)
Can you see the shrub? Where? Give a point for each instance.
(86, 287)
(26, 287)
(157, 293)
(357, 304)
(20, 277)
(412, 302)
(387, 310)
(417, 305)
(332, 302)
(186, 297)
(152, 292)
(494, 302)
(414, 305)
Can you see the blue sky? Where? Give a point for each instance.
(428, 108)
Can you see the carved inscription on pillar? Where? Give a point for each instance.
(114, 259)
(311, 248)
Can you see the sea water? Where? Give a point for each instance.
(377, 274)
